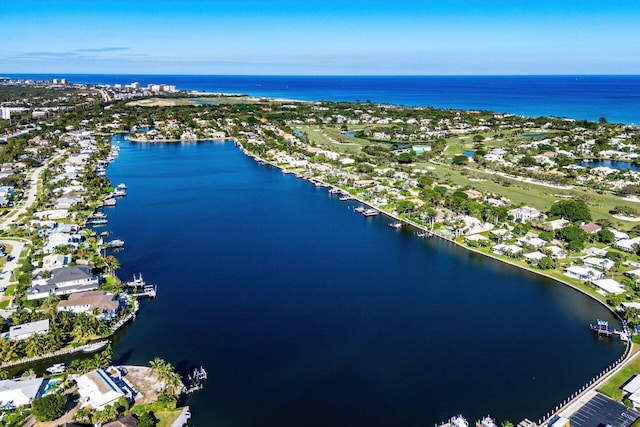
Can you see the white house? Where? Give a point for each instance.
(20, 392)
(632, 390)
(25, 330)
(583, 273)
(503, 249)
(609, 286)
(524, 213)
(534, 256)
(97, 390)
(536, 242)
(599, 263)
(627, 244)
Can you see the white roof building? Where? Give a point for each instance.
(98, 390)
(503, 249)
(627, 244)
(619, 235)
(524, 213)
(534, 256)
(25, 330)
(536, 242)
(609, 286)
(600, 263)
(583, 273)
(20, 392)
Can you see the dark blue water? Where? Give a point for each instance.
(614, 164)
(580, 97)
(307, 314)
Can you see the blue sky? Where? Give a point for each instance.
(321, 37)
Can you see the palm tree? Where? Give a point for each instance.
(35, 345)
(158, 367)
(112, 263)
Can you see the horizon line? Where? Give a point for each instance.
(322, 75)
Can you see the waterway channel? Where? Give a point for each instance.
(306, 313)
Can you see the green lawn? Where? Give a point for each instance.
(167, 418)
(538, 196)
(612, 387)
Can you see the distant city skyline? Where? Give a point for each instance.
(458, 37)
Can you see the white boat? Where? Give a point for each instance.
(335, 191)
(487, 421)
(371, 212)
(137, 281)
(117, 243)
(360, 209)
(58, 368)
(121, 186)
(395, 225)
(109, 202)
(459, 421)
(95, 347)
(346, 197)
(119, 193)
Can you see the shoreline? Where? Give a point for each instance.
(627, 355)
(439, 235)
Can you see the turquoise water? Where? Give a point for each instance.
(580, 97)
(304, 313)
(614, 164)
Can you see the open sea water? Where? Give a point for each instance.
(617, 98)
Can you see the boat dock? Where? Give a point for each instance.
(602, 328)
(148, 289)
(195, 381)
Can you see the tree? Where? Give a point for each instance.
(527, 161)
(571, 210)
(606, 236)
(405, 158)
(49, 407)
(148, 419)
(460, 160)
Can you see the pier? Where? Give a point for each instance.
(195, 381)
(602, 328)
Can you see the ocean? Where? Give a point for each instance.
(616, 98)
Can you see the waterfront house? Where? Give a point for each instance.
(19, 392)
(64, 281)
(25, 330)
(105, 303)
(583, 273)
(98, 390)
(608, 286)
(509, 250)
(534, 257)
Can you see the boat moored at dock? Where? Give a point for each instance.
(57, 368)
(371, 212)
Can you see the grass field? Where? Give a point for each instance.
(206, 100)
(538, 196)
(612, 387)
